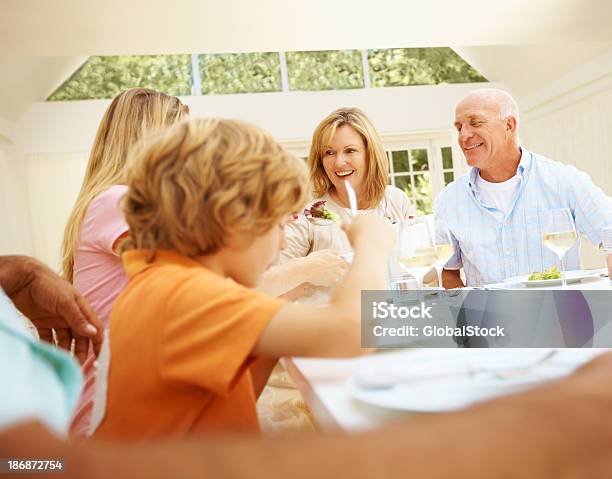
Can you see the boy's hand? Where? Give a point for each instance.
(324, 267)
(370, 231)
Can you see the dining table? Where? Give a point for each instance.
(328, 385)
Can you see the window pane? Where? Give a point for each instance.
(424, 206)
(422, 185)
(419, 66)
(419, 160)
(447, 157)
(403, 183)
(240, 73)
(423, 194)
(105, 77)
(400, 161)
(326, 70)
(448, 177)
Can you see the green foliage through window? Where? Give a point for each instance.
(447, 157)
(105, 77)
(419, 66)
(421, 194)
(419, 160)
(400, 161)
(240, 73)
(326, 70)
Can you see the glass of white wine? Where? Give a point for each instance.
(559, 235)
(417, 248)
(444, 247)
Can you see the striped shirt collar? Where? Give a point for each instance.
(522, 170)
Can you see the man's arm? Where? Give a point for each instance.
(591, 207)
(451, 278)
(50, 302)
(560, 430)
(15, 272)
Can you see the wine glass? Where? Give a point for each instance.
(417, 249)
(559, 235)
(327, 225)
(444, 247)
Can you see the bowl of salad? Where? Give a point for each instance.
(320, 215)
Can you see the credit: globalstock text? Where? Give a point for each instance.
(384, 310)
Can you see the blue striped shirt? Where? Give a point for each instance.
(491, 245)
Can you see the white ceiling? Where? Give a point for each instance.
(42, 42)
(28, 79)
(87, 27)
(525, 68)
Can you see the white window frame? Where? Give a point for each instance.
(433, 142)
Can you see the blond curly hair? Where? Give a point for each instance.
(203, 180)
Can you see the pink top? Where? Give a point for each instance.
(99, 276)
(98, 272)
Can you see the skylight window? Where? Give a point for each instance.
(105, 77)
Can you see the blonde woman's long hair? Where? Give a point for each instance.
(131, 115)
(376, 178)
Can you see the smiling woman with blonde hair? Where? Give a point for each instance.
(96, 225)
(372, 179)
(345, 148)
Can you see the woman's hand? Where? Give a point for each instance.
(323, 268)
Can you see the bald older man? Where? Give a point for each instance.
(496, 213)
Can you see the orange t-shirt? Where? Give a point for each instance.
(180, 343)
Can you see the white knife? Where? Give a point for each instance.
(352, 198)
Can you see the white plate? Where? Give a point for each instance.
(462, 389)
(571, 277)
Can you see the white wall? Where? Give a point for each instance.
(571, 121)
(579, 133)
(59, 127)
(15, 235)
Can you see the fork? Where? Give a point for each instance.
(521, 371)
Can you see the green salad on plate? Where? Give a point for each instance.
(552, 273)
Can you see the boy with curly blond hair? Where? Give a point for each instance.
(206, 207)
